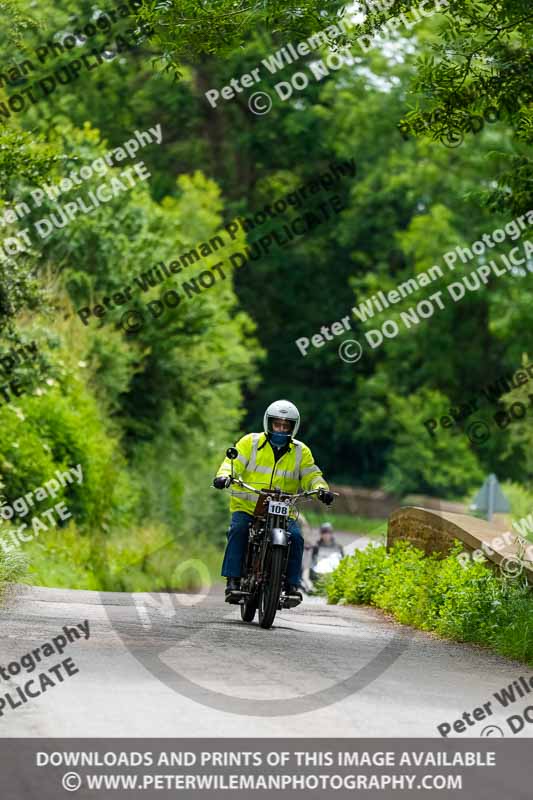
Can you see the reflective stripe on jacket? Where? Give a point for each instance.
(257, 467)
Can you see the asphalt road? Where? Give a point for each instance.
(185, 665)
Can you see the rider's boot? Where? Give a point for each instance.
(233, 588)
(293, 590)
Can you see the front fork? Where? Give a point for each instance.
(278, 536)
(255, 573)
(274, 536)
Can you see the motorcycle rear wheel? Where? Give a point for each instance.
(271, 591)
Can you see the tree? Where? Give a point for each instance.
(482, 67)
(189, 31)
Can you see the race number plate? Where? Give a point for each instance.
(275, 507)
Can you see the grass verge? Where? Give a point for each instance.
(13, 567)
(467, 604)
(148, 559)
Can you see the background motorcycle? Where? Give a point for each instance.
(324, 562)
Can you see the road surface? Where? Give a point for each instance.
(181, 665)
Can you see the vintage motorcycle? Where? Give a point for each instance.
(264, 567)
(324, 562)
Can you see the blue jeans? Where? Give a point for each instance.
(236, 547)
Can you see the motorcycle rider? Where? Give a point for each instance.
(270, 459)
(326, 539)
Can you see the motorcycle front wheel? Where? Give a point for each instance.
(248, 609)
(270, 592)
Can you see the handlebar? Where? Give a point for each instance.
(293, 497)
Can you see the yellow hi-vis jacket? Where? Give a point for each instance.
(257, 467)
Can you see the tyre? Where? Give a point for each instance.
(248, 609)
(270, 593)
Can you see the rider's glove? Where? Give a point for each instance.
(325, 496)
(222, 482)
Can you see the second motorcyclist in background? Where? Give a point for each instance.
(326, 540)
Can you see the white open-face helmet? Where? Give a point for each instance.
(281, 409)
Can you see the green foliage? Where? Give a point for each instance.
(138, 559)
(154, 559)
(357, 577)
(62, 558)
(226, 26)
(520, 498)
(467, 603)
(17, 22)
(149, 416)
(519, 432)
(54, 429)
(23, 156)
(481, 62)
(443, 465)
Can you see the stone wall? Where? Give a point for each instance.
(434, 532)
(372, 503)
(375, 504)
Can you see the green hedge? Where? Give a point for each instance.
(61, 428)
(469, 604)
